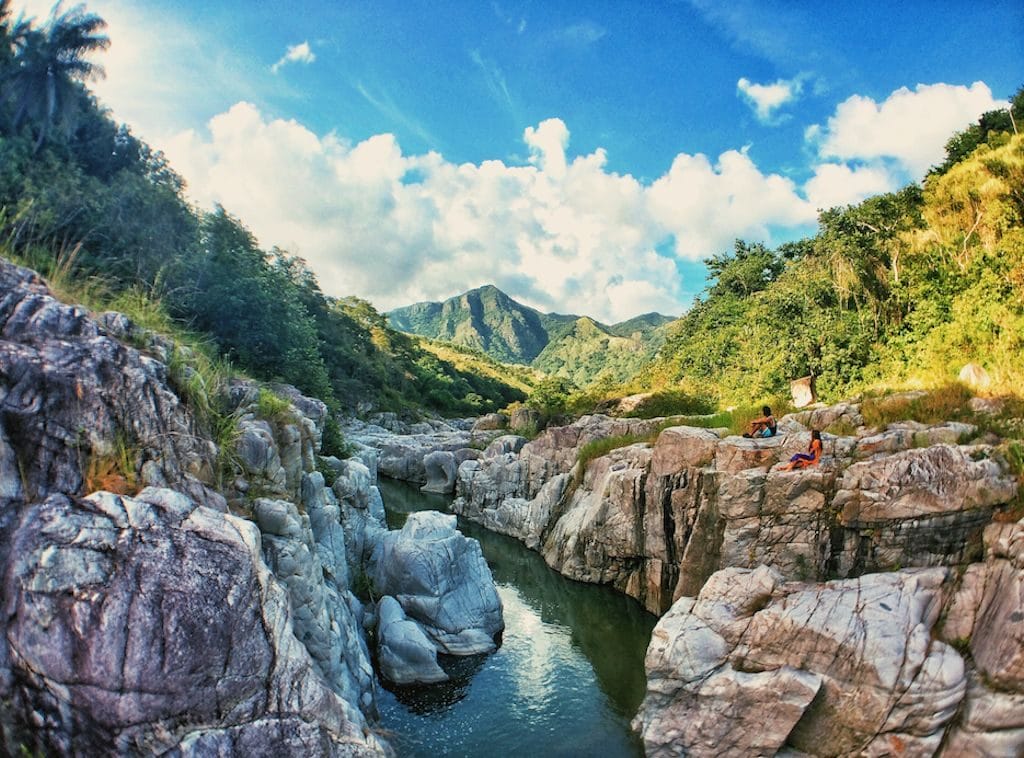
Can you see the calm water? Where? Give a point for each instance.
(566, 681)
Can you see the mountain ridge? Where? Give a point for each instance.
(579, 348)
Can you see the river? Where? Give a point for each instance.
(566, 680)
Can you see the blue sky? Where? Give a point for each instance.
(583, 156)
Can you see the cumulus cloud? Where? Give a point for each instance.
(707, 205)
(300, 53)
(561, 233)
(837, 184)
(909, 128)
(766, 99)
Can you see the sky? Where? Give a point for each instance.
(585, 157)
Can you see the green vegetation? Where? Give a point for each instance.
(946, 403)
(69, 173)
(605, 445)
(577, 349)
(671, 402)
(899, 291)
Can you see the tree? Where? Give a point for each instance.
(50, 63)
(749, 269)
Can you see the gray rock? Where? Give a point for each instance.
(68, 389)
(442, 582)
(108, 597)
(440, 469)
(490, 422)
(735, 671)
(507, 443)
(406, 655)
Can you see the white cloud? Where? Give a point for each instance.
(837, 184)
(766, 99)
(562, 233)
(300, 53)
(909, 128)
(706, 206)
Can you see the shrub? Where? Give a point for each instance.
(673, 402)
(272, 407)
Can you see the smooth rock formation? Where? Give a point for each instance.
(754, 665)
(406, 655)
(442, 582)
(440, 469)
(400, 450)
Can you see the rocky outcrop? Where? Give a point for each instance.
(161, 622)
(74, 400)
(753, 665)
(655, 521)
(440, 581)
(401, 449)
(912, 662)
(148, 624)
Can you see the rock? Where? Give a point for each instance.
(525, 419)
(991, 406)
(490, 422)
(754, 664)
(442, 582)
(656, 525)
(802, 392)
(922, 482)
(440, 469)
(406, 655)
(991, 724)
(68, 390)
(507, 443)
(107, 596)
(975, 377)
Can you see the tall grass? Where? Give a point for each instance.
(196, 371)
(948, 402)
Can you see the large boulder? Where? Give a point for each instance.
(753, 665)
(440, 469)
(442, 582)
(146, 625)
(405, 653)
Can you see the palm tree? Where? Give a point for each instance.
(49, 65)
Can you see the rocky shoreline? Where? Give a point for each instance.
(190, 613)
(160, 597)
(870, 605)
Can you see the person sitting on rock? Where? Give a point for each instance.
(812, 456)
(765, 426)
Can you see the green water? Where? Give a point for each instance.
(566, 681)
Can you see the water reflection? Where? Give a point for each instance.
(566, 681)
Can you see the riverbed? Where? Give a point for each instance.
(566, 681)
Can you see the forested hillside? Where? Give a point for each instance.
(576, 348)
(903, 289)
(83, 200)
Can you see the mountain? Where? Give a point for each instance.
(575, 347)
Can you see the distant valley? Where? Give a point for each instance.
(577, 348)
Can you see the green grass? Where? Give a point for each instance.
(948, 402)
(272, 407)
(673, 402)
(605, 445)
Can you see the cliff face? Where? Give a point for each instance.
(657, 520)
(916, 645)
(159, 621)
